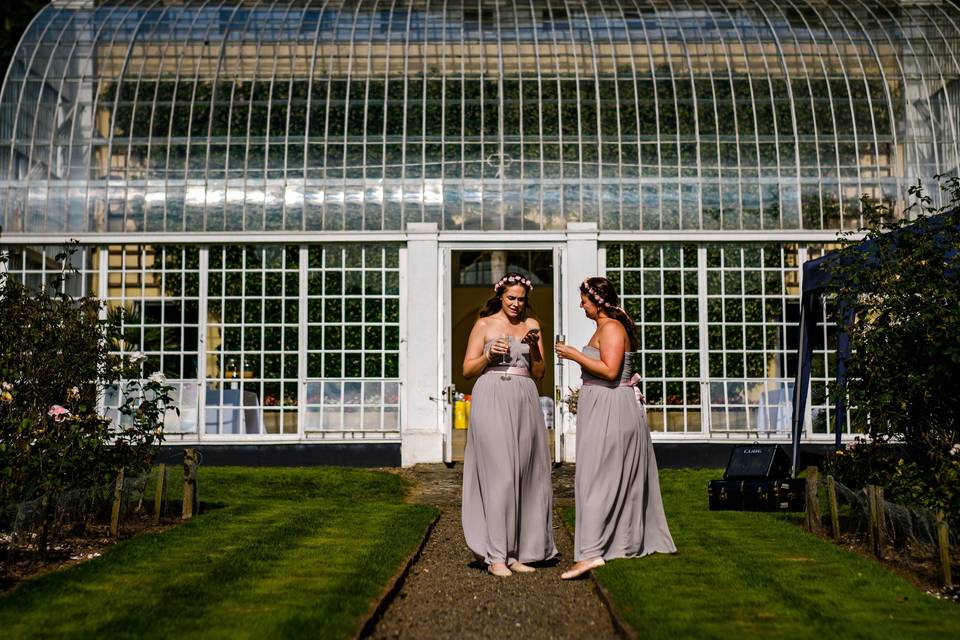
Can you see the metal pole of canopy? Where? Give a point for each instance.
(845, 314)
(802, 382)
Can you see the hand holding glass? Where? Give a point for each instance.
(504, 341)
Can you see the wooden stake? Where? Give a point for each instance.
(117, 503)
(874, 526)
(881, 521)
(813, 499)
(943, 544)
(834, 509)
(190, 505)
(160, 493)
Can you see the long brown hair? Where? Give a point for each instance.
(603, 294)
(494, 303)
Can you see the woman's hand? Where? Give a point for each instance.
(498, 348)
(532, 338)
(566, 352)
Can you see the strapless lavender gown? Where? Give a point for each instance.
(619, 508)
(507, 491)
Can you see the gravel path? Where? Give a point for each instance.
(448, 593)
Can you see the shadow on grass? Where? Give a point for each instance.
(276, 553)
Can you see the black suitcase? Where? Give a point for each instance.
(757, 495)
(757, 461)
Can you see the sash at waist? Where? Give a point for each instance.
(633, 381)
(510, 371)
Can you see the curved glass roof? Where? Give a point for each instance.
(227, 115)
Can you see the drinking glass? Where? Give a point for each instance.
(505, 358)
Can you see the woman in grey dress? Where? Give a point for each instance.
(617, 489)
(507, 495)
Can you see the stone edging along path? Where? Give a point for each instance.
(379, 606)
(442, 591)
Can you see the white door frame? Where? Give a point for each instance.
(444, 268)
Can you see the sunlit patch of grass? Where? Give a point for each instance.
(740, 574)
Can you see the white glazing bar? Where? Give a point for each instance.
(603, 137)
(53, 162)
(704, 338)
(11, 76)
(721, 169)
(896, 163)
(693, 70)
(558, 70)
(748, 77)
(292, 72)
(534, 25)
(202, 375)
(46, 86)
(23, 100)
(188, 174)
(798, 53)
(171, 133)
(347, 106)
(118, 85)
(95, 100)
(821, 57)
(518, 178)
(308, 117)
(865, 135)
(146, 55)
(238, 101)
(643, 14)
(951, 19)
(943, 86)
(842, 61)
(302, 335)
(404, 204)
(636, 143)
(762, 49)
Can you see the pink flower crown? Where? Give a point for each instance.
(512, 280)
(593, 293)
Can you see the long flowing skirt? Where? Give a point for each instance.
(507, 491)
(619, 508)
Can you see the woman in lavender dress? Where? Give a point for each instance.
(619, 509)
(507, 495)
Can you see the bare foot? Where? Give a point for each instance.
(499, 569)
(581, 567)
(519, 567)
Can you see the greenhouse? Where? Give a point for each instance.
(301, 205)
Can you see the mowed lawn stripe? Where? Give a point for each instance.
(300, 554)
(760, 575)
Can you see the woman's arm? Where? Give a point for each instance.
(535, 340)
(613, 341)
(475, 360)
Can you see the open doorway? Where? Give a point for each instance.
(474, 271)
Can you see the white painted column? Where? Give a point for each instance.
(582, 262)
(422, 423)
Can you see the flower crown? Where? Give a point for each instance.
(593, 293)
(512, 280)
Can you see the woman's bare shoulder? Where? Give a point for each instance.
(611, 328)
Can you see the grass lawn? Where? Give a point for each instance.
(285, 553)
(741, 575)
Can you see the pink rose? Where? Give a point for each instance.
(58, 413)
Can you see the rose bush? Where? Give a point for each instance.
(56, 361)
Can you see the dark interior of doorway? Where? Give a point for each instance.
(474, 273)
